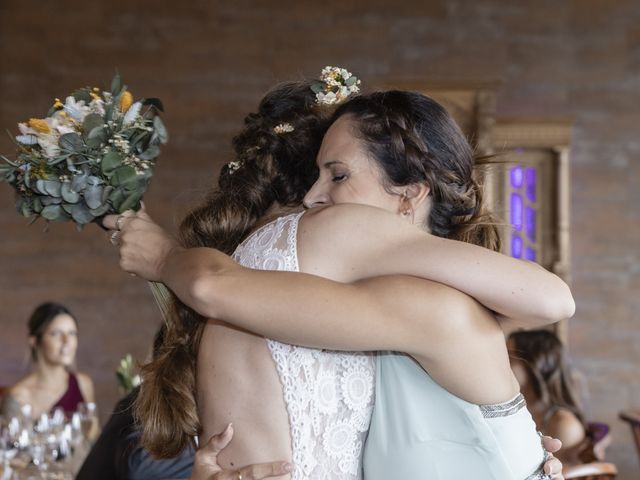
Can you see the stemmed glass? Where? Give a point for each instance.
(9, 445)
(88, 417)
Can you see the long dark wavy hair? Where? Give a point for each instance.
(268, 168)
(544, 357)
(413, 139)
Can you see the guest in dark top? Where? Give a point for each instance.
(53, 340)
(118, 455)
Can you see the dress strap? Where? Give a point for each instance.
(71, 398)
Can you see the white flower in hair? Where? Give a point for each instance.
(335, 85)
(283, 128)
(234, 165)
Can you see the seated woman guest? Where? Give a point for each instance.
(538, 362)
(53, 340)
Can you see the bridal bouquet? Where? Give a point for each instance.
(90, 156)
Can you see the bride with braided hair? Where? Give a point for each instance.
(392, 167)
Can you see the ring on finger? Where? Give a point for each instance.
(119, 222)
(239, 476)
(114, 238)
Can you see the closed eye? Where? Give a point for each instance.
(338, 178)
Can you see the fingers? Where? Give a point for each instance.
(260, 470)
(551, 444)
(553, 467)
(116, 222)
(109, 221)
(218, 442)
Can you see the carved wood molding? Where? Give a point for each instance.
(532, 134)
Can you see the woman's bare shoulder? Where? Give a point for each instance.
(565, 425)
(343, 236)
(22, 391)
(349, 215)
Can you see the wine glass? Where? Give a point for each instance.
(88, 417)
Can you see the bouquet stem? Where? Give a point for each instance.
(162, 296)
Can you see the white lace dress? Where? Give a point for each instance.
(329, 395)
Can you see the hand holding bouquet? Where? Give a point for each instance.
(90, 156)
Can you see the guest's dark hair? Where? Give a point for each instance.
(268, 168)
(414, 140)
(40, 320)
(543, 356)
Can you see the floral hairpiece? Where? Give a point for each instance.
(335, 86)
(234, 165)
(283, 128)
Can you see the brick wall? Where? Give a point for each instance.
(210, 61)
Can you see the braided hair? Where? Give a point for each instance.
(414, 140)
(270, 166)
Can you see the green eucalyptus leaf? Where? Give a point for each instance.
(97, 131)
(69, 195)
(67, 207)
(138, 139)
(82, 94)
(52, 212)
(91, 121)
(71, 166)
(39, 187)
(351, 81)
(37, 205)
(79, 182)
(110, 162)
(131, 202)
(94, 142)
(150, 153)
(101, 210)
(108, 111)
(93, 180)
(159, 130)
(23, 207)
(71, 142)
(81, 214)
(317, 87)
(46, 200)
(123, 175)
(139, 184)
(116, 197)
(93, 196)
(52, 187)
(116, 84)
(106, 192)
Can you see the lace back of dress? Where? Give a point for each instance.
(329, 395)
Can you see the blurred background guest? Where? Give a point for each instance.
(117, 454)
(52, 384)
(539, 363)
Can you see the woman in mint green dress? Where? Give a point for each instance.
(449, 407)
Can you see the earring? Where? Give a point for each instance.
(405, 199)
